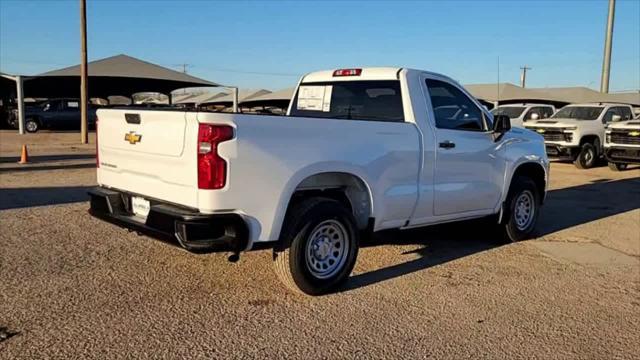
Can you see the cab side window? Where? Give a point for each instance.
(546, 112)
(533, 110)
(452, 108)
(72, 106)
(625, 113)
(608, 116)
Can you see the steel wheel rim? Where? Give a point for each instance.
(31, 126)
(524, 210)
(327, 249)
(589, 156)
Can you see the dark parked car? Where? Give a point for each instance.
(53, 114)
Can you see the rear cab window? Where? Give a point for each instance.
(373, 100)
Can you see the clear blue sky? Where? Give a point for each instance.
(268, 44)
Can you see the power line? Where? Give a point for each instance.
(183, 66)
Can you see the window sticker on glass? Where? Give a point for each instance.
(326, 103)
(314, 98)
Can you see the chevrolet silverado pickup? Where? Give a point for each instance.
(622, 144)
(576, 132)
(53, 114)
(359, 151)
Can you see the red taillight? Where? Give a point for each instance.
(347, 72)
(212, 169)
(97, 149)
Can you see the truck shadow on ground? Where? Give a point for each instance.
(23, 168)
(16, 198)
(439, 244)
(40, 158)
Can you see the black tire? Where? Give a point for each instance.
(293, 261)
(587, 157)
(31, 125)
(513, 229)
(617, 166)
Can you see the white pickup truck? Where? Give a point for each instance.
(576, 132)
(622, 144)
(360, 150)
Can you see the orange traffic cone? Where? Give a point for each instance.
(24, 157)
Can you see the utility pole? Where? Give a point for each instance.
(523, 76)
(84, 76)
(184, 71)
(606, 62)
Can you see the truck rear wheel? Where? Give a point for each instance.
(318, 247)
(523, 204)
(587, 157)
(617, 166)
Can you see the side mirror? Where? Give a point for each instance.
(501, 124)
(535, 116)
(616, 118)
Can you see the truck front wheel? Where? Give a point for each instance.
(523, 204)
(587, 157)
(617, 166)
(318, 247)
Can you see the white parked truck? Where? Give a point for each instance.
(359, 151)
(622, 144)
(576, 132)
(523, 112)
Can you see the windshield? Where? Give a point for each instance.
(579, 112)
(510, 111)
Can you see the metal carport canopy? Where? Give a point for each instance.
(116, 75)
(280, 97)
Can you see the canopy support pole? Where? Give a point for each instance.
(20, 93)
(84, 75)
(235, 99)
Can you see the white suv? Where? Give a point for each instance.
(576, 132)
(520, 113)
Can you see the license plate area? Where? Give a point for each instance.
(140, 206)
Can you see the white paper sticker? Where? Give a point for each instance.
(314, 98)
(326, 103)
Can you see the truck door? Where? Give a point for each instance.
(70, 114)
(469, 169)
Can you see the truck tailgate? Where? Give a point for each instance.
(149, 152)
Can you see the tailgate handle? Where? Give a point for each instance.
(132, 118)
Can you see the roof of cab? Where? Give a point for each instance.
(524, 104)
(600, 104)
(369, 73)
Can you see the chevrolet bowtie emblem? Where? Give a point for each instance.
(132, 137)
(634, 133)
(541, 131)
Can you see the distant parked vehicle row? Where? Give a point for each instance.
(576, 132)
(53, 114)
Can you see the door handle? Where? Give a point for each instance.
(447, 145)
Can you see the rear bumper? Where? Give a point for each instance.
(191, 229)
(619, 154)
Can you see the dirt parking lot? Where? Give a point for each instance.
(74, 287)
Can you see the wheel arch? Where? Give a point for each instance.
(534, 170)
(591, 139)
(347, 187)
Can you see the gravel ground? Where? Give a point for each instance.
(74, 287)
